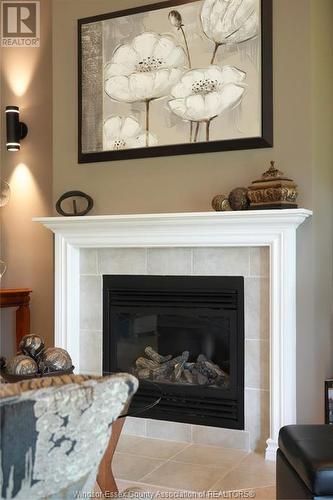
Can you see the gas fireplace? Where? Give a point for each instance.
(185, 333)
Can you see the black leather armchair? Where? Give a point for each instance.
(305, 462)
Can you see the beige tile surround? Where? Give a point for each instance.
(250, 262)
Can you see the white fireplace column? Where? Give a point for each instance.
(275, 229)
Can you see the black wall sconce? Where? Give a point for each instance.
(16, 130)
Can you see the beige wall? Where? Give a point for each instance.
(182, 183)
(26, 81)
(316, 353)
(302, 149)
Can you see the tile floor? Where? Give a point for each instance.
(156, 465)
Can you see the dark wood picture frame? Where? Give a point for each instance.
(328, 418)
(264, 141)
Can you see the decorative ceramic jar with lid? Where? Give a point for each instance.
(273, 190)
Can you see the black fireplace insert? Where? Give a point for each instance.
(186, 334)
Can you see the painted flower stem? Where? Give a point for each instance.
(214, 53)
(196, 132)
(186, 46)
(147, 122)
(190, 67)
(208, 122)
(207, 129)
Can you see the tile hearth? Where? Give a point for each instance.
(155, 465)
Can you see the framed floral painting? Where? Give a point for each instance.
(175, 77)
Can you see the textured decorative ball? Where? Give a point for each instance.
(220, 203)
(54, 359)
(21, 365)
(32, 345)
(238, 199)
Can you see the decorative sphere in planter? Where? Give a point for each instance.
(21, 365)
(54, 359)
(32, 345)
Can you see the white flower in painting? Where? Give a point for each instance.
(144, 69)
(229, 21)
(124, 132)
(203, 94)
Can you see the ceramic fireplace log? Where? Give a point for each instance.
(144, 373)
(219, 372)
(188, 376)
(201, 378)
(155, 356)
(179, 370)
(167, 368)
(146, 363)
(206, 369)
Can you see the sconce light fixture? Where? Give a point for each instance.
(16, 130)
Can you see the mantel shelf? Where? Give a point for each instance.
(234, 217)
(185, 229)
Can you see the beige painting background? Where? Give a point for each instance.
(242, 122)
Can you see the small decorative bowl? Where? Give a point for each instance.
(17, 378)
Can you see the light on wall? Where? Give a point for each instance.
(16, 130)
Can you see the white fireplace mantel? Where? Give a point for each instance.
(275, 229)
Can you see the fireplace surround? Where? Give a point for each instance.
(273, 229)
(185, 333)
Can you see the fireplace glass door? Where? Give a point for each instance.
(185, 334)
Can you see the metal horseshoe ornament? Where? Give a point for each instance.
(76, 211)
